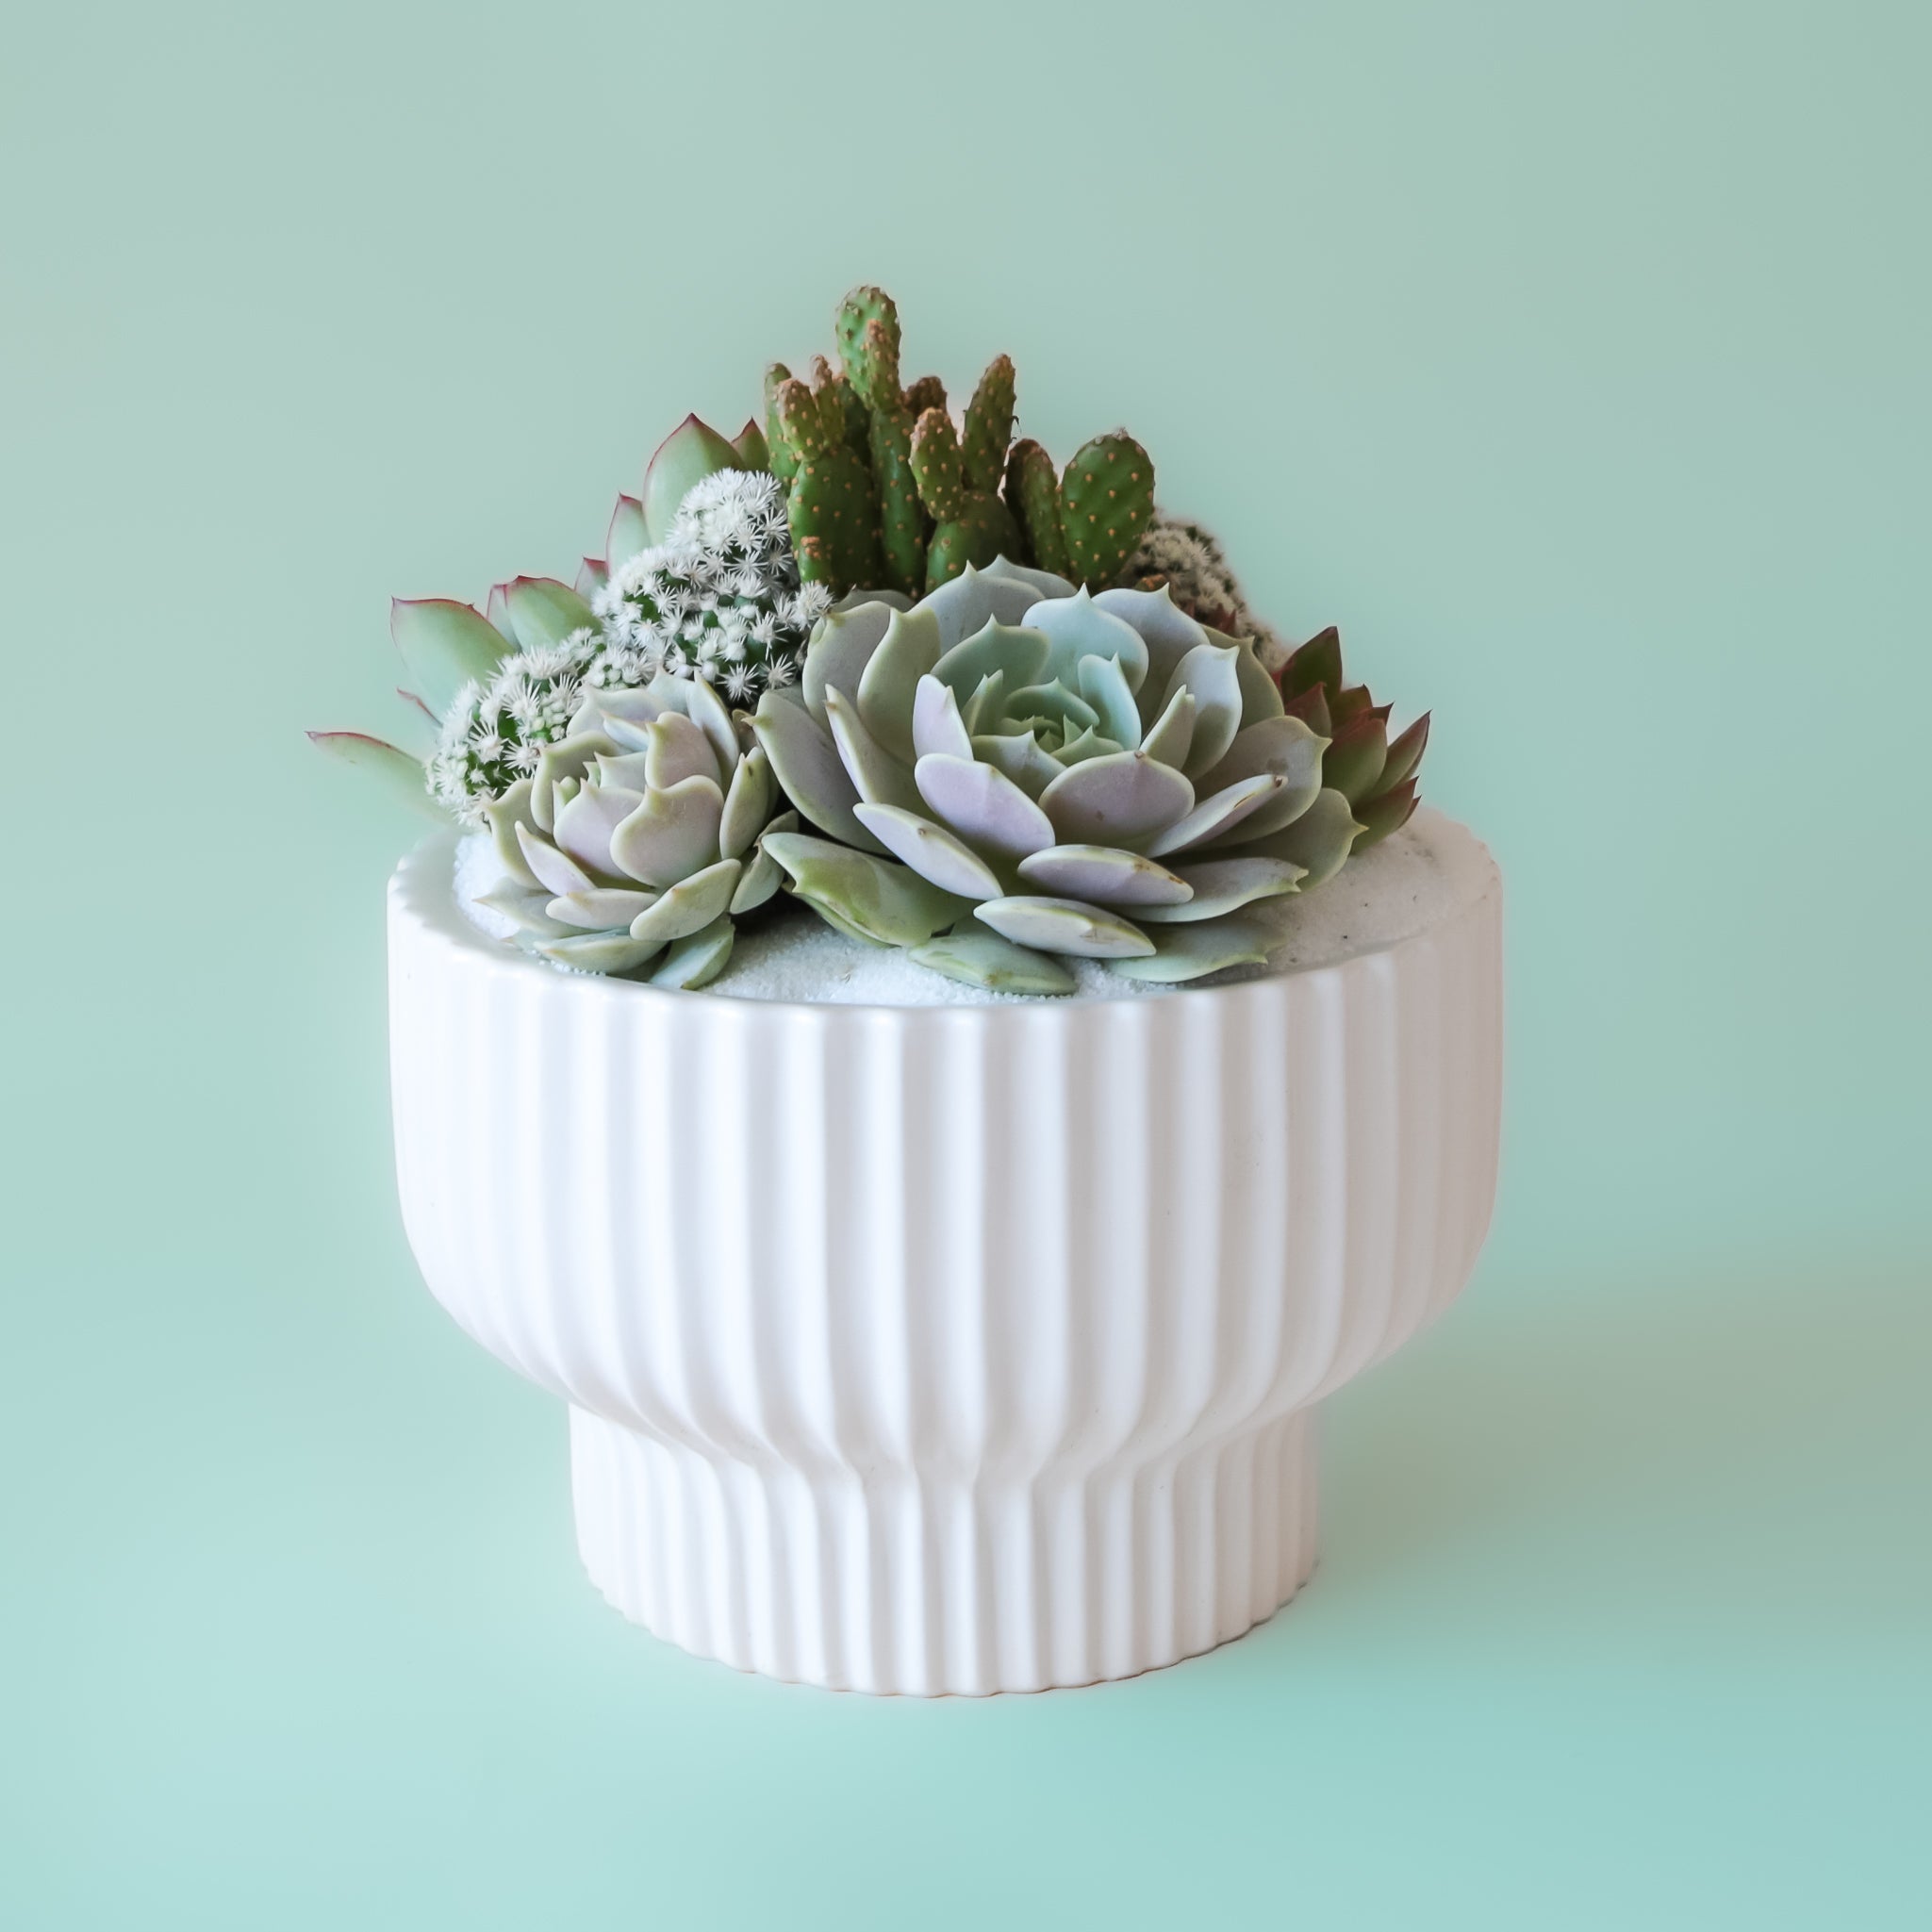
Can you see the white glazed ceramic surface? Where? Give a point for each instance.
(960, 1348)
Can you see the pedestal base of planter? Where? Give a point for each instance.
(938, 1586)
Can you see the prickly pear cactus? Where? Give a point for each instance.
(988, 427)
(973, 526)
(1032, 494)
(834, 503)
(868, 346)
(1106, 503)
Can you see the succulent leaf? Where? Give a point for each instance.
(446, 644)
(688, 906)
(753, 452)
(975, 598)
(978, 957)
(1126, 800)
(806, 763)
(542, 611)
(1317, 661)
(628, 533)
(686, 456)
(939, 730)
(1385, 813)
(1319, 841)
(878, 776)
(1354, 759)
(1405, 755)
(842, 646)
(888, 688)
(697, 959)
(599, 952)
(1207, 674)
(1063, 925)
(890, 904)
(1216, 815)
(396, 771)
(1225, 885)
(930, 851)
(983, 806)
(1107, 875)
(748, 803)
(667, 835)
(1191, 952)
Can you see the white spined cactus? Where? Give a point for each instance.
(1011, 771)
(637, 836)
(719, 598)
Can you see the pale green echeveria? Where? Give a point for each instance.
(1013, 773)
(640, 836)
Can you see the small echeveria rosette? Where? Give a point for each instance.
(639, 838)
(1376, 773)
(1012, 773)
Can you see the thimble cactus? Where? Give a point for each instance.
(1013, 772)
(637, 836)
(1188, 558)
(718, 598)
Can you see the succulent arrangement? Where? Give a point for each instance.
(953, 698)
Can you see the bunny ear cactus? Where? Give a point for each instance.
(833, 502)
(1374, 773)
(639, 836)
(1088, 523)
(1012, 773)
(868, 340)
(972, 525)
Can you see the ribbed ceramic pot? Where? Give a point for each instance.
(956, 1348)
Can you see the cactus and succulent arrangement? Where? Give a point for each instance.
(954, 697)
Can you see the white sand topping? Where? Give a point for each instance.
(1428, 870)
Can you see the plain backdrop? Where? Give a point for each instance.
(1573, 359)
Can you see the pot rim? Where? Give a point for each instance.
(420, 887)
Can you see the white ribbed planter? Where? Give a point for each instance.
(959, 1348)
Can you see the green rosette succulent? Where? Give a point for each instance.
(1013, 772)
(640, 836)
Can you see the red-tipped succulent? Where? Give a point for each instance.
(1375, 772)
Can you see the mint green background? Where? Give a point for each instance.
(1575, 358)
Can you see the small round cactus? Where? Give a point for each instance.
(494, 732)
(719, 598)
(1189, 559)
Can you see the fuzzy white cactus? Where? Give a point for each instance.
(719, 598)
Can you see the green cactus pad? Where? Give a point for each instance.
(1033, 495)
(982, 532)
(902, 520)
(867, 327)
(1106, 501)
(835, 520)
(989, 429)
(935, 464)
(785, 459)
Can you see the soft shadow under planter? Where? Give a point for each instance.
(960, 1348)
